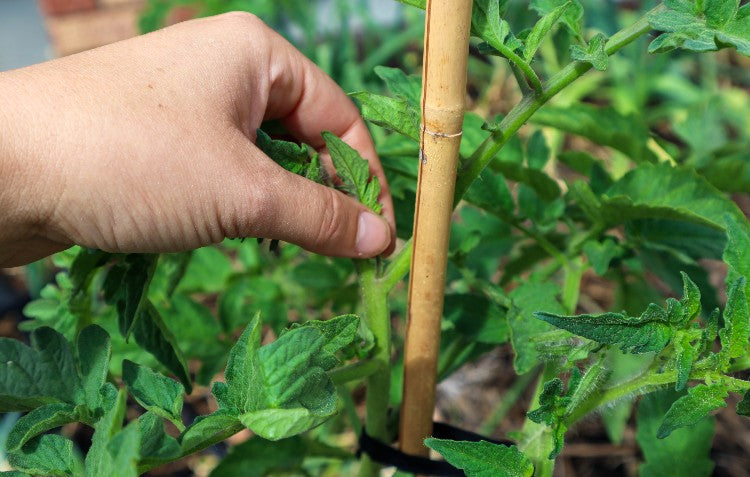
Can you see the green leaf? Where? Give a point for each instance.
(662, 191)
(399, 83)
(571, 17)
(414, 3)
(594, 54)
(483, 459)
(651, 331)
(685, 355)
(86, 262)
(49, 455)
(476, 318)
(600, 254)
(14, 473)
(553, 403)
(128, 283)
(258, 457)
(541, 28)
(606, 126)
(154, 391)
(691, 445)
(94, 353)
(282, 389)
(690, 409)
(41, 374)
(737, 251)
(490, 192)
(289, 155)
(743, 407)
(339, 332)
(708, 26)
(528, 298)
(156, 446)
(208, 430)
(153, 335)
(38, 421)
(736, 332)
(394, 114)
(487, 24)
(354, 172)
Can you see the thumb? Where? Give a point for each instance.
(320, 219)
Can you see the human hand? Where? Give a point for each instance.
(146, 145)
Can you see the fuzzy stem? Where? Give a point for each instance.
(377, 317)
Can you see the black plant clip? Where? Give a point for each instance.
(386, 455)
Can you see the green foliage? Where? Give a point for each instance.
(353, 171)
(690, 409)
(625, 173)
(702, 26)
(692, 444)
(483, 459)
(282, 389)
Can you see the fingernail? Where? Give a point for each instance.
(373, 235)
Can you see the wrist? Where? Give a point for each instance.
(21, 200)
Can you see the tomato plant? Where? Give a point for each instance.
(598, 148)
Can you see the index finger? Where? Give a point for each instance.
(308, 102)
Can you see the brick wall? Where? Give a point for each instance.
(78, 25)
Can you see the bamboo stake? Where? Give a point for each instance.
(446, 48)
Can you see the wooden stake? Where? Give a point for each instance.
(446, 48)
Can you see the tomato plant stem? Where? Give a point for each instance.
(377, 317)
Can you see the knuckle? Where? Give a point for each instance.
(331, 225)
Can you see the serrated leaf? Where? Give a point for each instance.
(571, 18)
(606, 126)
(541, 28)
(289, 155)
(282, 389)
(691, 445)
(553, 403)
(153, 335)
(40, 420)
(154, 391)
(339, 331)
(490, 192)
(600, 254)
(41, 374)
(691, 298)
(483, 459)
(649, 332)
(208, 430)
(690, 409)
(736, 332)
(594, 54)
(354, 172)
(685, 355)
(156, 446)
(487, 24)
(662, 191)
(86, 262)
(49, 455)
(94, 352)
(399, 83)
(394, 114)
(127, 285)
(258, 457)
(707, 26)
(737, 251)
(99, 459)
(528, 298)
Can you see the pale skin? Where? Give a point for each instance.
(147, 145)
